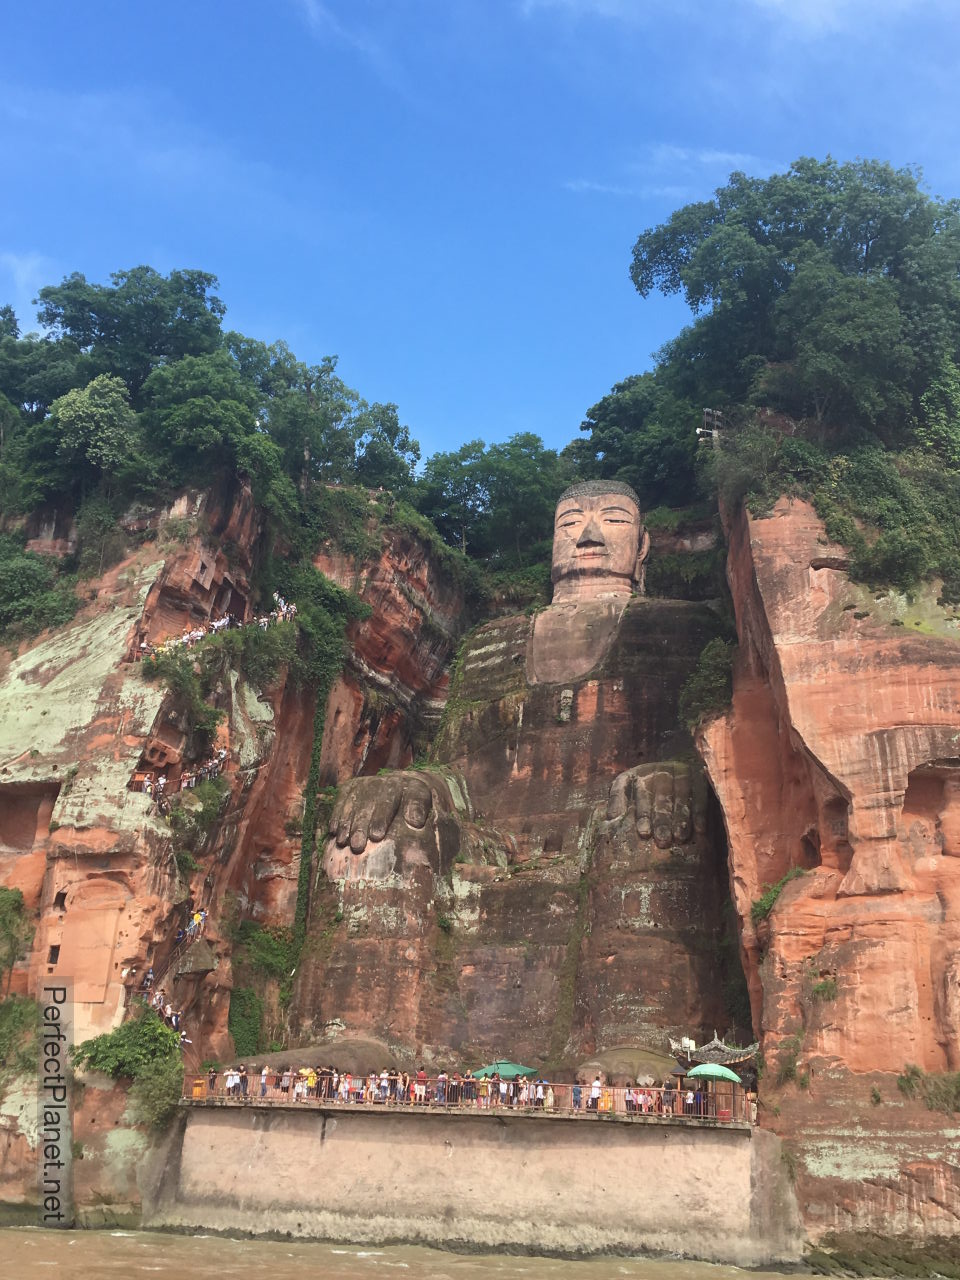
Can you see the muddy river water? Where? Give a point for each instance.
(28, 1252)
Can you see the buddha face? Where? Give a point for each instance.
(596, 544)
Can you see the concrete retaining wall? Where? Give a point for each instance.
(546, 1184)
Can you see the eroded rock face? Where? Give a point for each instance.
(387, 703)
(92, 856)
(840, 757)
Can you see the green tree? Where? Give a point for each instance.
(16, 932)
(643, 434)
(524, 481)
(35, 371)
(846, 337)
(9, 328)
(836, 283)
(386, 452)
(454, 494)
(201, 408)
(96, 431)
(140, 321)
(938, 428)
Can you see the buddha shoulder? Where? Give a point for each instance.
(491, 661)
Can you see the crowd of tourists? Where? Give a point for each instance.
(282, 611)
(392, 1087)
(164, 1009)
(157, 784)
(156, 995)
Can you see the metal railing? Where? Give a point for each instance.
(722, 1103)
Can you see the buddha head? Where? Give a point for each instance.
(599, 543)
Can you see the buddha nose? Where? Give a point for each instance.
(591, 536)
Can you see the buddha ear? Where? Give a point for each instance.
(644, 548)
(640, 574)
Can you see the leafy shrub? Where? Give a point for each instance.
(520, 587)
(258, 654)
(102, 541)
(709, 688)
(193, 822)
(692, 575)
(787, 1066)
(765, 903)
(345, 516)
(186, 862)
(16, 931)
(825, 990)
(145, 1052)
(19, 1024)
(33, 594)
(182, 673)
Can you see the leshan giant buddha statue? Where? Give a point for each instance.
(552, 882)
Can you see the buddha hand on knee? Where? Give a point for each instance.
(667, 802)
(391, 823)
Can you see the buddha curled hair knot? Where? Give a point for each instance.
(592, 488)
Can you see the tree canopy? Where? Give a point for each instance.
(831, 290)
(826, 297)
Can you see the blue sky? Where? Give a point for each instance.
(442, 192)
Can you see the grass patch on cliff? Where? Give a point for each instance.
(937, 1092)
(145, 1052)
(245, 1021)
(763, 905)
(19, 1024)
(268, 950)
(183, 673)
(825, 990)
(708, 690)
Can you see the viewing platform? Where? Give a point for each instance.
(479, 1177)
(431, 1111)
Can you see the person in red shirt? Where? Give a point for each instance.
(420, 1088)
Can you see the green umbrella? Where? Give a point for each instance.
(505, 1070)
(714, 1071)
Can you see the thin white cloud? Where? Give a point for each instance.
(582, 186)
(671, 172)
(325, 25)
(146, 141)
(21, 276)
(638, 191)
(668, 156)
(812, 17)
(823, 17)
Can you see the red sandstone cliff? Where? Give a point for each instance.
(840, 757)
